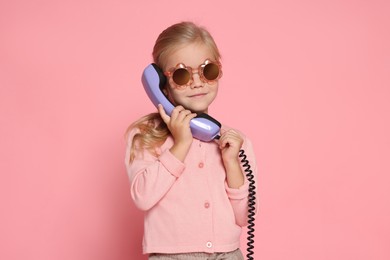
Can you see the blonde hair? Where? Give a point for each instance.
(178, 35)
(152, 130)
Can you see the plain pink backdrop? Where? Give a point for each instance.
(307, 81)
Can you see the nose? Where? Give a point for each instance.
(196, 81)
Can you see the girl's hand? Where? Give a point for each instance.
(179, 126)
(230, 144)
(178, 123)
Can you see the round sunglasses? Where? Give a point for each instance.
(181, 76)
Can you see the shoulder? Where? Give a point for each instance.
(131, 132)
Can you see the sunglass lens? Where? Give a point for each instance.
(181, 76)
(211, 71)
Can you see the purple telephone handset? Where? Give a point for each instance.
(203, 126)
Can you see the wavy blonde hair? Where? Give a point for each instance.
(152, 130)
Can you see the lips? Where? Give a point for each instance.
(197, 95)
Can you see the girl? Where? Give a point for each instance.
(194, 193)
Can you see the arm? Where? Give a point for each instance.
(151, 176)
(237, 185)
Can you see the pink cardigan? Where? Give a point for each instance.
(188, 206)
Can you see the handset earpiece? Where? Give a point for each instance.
(203, 126)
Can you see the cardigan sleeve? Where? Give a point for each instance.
(151, 176)
(239, 197)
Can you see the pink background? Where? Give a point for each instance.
(308, 81)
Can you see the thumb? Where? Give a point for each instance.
(163, 115)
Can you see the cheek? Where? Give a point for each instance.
(214, 88)
(169, 93)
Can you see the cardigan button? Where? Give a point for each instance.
(209, 244)
(200, 165)
(207, 205)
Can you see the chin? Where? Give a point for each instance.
(195, 107)
(199, 111)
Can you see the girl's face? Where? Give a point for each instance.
(199, 95)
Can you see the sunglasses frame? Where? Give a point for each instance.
(169, 73)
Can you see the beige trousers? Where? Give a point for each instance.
(234, 255)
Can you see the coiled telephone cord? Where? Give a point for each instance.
(251, 204)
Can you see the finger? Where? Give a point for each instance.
(232, 134)
(183, 115)
(189, 117)
(223, 131)
(230, 138)
(163, 115)
(223, 141)
(225, 134)
(176, 111)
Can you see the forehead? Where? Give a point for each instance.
(191, 55)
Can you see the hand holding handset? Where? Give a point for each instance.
(203, 126)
